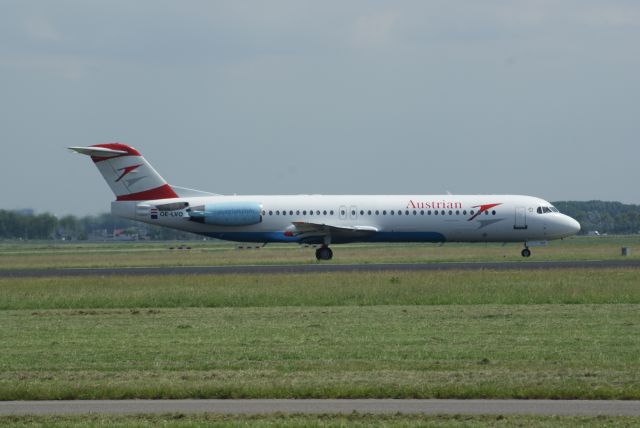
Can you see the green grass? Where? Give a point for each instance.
(567, 333)
(487, 351)
(324, 421)
(563, 286)
(57, 255)
(558, 334)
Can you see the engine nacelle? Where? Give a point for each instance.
(227, 213)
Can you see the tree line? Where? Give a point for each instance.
(605, 217)
(14, 225)
(602, 216)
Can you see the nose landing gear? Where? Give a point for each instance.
(526, 252)
(324, 253)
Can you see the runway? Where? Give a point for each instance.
(380, 406)
(320, 268)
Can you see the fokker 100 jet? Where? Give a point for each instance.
(143, 195)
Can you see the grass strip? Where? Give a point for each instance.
(324, 421)
(28, 256)
(474, 351)
(566, 286)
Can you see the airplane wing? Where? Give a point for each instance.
(308, 231)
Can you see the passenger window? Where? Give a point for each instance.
(342, 212)
(421, 212)
(415, 212)
(493, 212)
(324, 212)
(391, 212)
(369, 212)
(310, 212)
(353, 212)
(384, 212)
(450, 212)
(471, 212)
(377, 212)
(399, 212)
(270, 212)
(442, 212)
(361, 212)
(435, 212)
(304, 212)
(331, 212)
(464, 212)
(457, 212)
(429, 212)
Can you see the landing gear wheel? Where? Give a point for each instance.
(324, 253)
(526, 252)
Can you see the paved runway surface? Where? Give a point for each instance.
(462, 407)
(320, 267)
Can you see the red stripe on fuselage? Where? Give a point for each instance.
(163, 192)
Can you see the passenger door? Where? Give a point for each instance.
(521, 218)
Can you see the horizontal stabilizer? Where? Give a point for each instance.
(98, 152)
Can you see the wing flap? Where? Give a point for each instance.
(303, 230)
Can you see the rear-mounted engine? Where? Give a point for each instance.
(227, 213)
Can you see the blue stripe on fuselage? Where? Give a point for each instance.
(377, 237)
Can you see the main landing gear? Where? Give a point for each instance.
(324, 253)
(526, 252)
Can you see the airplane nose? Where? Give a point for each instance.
(572, 225)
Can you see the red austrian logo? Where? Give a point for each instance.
(434, 204)
(483, 208)
(126, 170)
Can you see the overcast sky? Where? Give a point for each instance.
(356, 97)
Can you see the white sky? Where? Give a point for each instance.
(280, 97)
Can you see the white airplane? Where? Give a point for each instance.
(143, 195)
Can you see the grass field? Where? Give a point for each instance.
(543, 334)
(568, 333)
(325, 421)
(47, 255)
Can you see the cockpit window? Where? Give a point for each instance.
(546, 210)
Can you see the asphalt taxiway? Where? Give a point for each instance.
(379, 406)
(320, 268)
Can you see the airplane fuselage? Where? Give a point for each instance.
(143, 195)
(379, 218)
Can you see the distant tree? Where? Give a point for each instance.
(603, 216)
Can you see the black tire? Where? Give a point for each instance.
(324, 253)
(526, 252)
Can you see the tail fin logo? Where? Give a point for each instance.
(127, 170)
